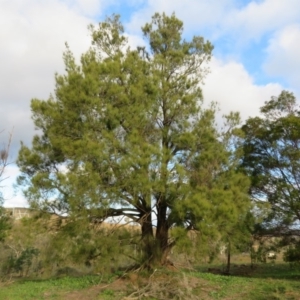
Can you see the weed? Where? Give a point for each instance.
(107, 295)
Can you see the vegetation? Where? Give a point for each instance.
(126, 135)
(133, 185)
(4, 162)
(266, 283)
(292, 253)
(271, 159)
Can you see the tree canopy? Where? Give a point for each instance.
(272, 160)
(126, 134)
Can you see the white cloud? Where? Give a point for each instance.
(12, 198)
(219, 18)
(258, 18)
(283, 55)
(88, 7)
(135, 41)
(194, 13)
(32, 37)
(234, 89)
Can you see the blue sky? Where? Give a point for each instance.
(256, 55)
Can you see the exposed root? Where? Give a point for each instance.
(162, 287)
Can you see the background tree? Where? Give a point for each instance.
(272, 160)
(126, 135)
(4, 162)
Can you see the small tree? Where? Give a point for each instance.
(126, 135)
(292, 254)
(238, 237)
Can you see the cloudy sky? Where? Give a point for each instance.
(256, 55)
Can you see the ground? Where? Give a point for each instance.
(264, 282)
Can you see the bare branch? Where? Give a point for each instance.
(4, 156)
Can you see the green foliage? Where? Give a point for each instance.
(292, 254)
(102, 249)
(5, 223)
(24, 260)
(126, 134)
(260, 255)
(271, 158)
(23, 249)
(108, 294)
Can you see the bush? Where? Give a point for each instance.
(292, 254)
(21, 263)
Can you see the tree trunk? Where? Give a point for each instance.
(228, 258)
(155, 247)
(162, 235)
(147, 238)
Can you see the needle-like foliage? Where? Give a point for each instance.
(126, 134)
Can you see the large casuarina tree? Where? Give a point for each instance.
(272, 159)
(126, 134)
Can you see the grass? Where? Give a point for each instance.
(48, 289)
(231, 287)
(267, 282)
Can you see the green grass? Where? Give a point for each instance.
(46, 289)
(277, 271)
(107, 295)
(267, 282)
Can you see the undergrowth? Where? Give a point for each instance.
(266, 282)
